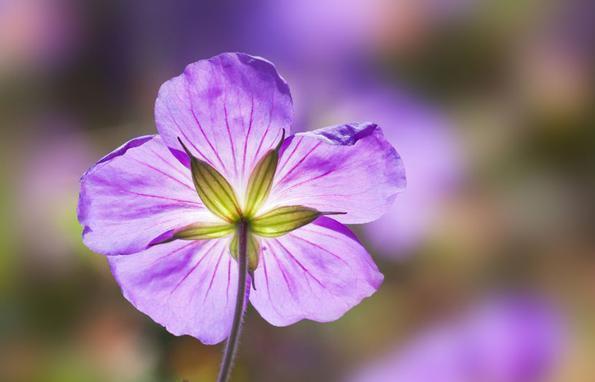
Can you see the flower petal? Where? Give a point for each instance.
(317, 272)
(188, 287)
(229, 110)
(134, 195)
(346, 168)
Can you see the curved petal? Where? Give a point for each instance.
(318, 272)
(346, 168)
(229, 110)
(189, 287)
(135, 194)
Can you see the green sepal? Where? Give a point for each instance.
(200, 231)
(282, 220)
(213, 189)
(252, 249)
(261, 179)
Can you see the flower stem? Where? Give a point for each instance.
(238, 316)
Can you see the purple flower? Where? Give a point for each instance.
(509, 339)
(165, 208)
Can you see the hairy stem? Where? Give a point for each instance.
(238, 316)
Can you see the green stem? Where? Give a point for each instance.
(238, 316)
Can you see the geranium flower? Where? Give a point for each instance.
(170, 210)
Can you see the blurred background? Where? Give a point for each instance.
(488, 257)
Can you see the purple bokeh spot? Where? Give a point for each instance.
(516, 337)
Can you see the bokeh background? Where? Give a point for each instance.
(489, 255)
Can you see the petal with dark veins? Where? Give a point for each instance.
(228, 110)
(350, 169)
(134, 195)
(189, 287)
(317, 272)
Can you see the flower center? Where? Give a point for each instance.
(219, 197)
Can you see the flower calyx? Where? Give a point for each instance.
(219, 197)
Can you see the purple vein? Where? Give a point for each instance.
(196, 148)
(337, 195)
(193, 112)
(322, 248)
(161, 197)
(286, 159)
(305, 229)
(192, 269)
(299, 264)
(289, 288)
(266, 278)
(171, 253)
(307, 278)
(304, 181)
(185, 136)
(300, 162)
(228, 279)
(171, 166)
(255, 158)
(225, 95)
(163, 173)
(248, 135)
(213, 276)
(233, 149)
